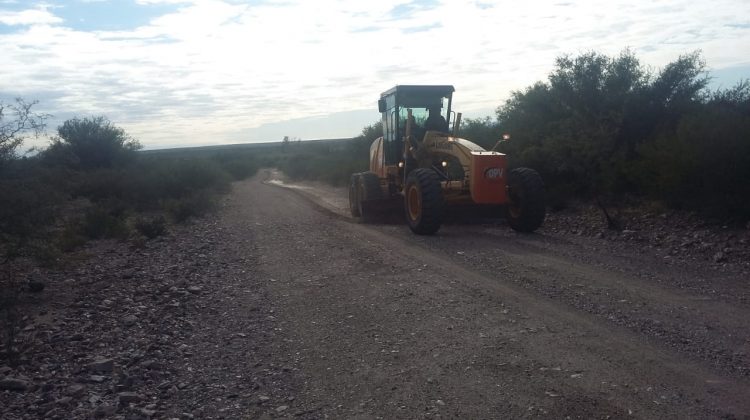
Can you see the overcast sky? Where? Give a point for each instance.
(178, 73)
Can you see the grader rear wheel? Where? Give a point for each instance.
(368, 191)
(354, 195)
(423, 201)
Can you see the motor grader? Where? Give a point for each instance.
(422, 160)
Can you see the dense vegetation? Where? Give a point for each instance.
(91, 182)
(331, 162)
(605, 128)
(608, 126)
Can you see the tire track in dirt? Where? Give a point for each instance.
(649, 298)
(477, 343)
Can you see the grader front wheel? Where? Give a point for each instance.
(526, 207)
(423, 201)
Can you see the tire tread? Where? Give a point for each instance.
(533, 207)
(432, 202)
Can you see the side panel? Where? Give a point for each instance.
(488, 178)
(377, 160)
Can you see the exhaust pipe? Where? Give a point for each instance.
(457, 124)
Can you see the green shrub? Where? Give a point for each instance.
(102, 185)
(184, 177)
(482, 131)
(28, 203)
(608, 126)
(151, 227)
(704, 164)
(70, 237)
(145, 185)
(239, 165)
(193, 205)
(100, 222)
(329, 162)
(91, 143)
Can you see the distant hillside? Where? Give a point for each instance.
(244, 146)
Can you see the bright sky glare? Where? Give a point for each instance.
(198, 72)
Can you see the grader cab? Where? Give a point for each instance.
(421, 160)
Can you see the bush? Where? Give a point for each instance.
(238, 165)
(91, 143)
(185, 177)
(704, 164)
(145, 185)
(102, 185)
(482, 131)
(28, 204)
(608, 126)
(100, 222)
(70, 237)
(329, 162)
(193, 205)
(151, 227)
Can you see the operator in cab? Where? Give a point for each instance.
(435, 121)
(417, 132)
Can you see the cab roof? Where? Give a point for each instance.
(419, 90)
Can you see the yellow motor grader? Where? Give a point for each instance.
(421, 160)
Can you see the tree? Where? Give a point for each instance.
(603, 126)
(704, 163)
(92, 143)
(26, 204)
(26, 196)
(370, 133)
(17, 120)
(482, 131)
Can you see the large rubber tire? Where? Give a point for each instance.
(368, 190)
(526, 206)
(423, 201)
(354, 195)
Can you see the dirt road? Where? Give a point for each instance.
(370, 321)
(298, 311)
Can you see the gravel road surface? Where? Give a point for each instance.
(298, 311)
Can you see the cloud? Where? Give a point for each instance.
(212, 71)
(40, 16)
(149, 2)
(408, 9)
(422, 28)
